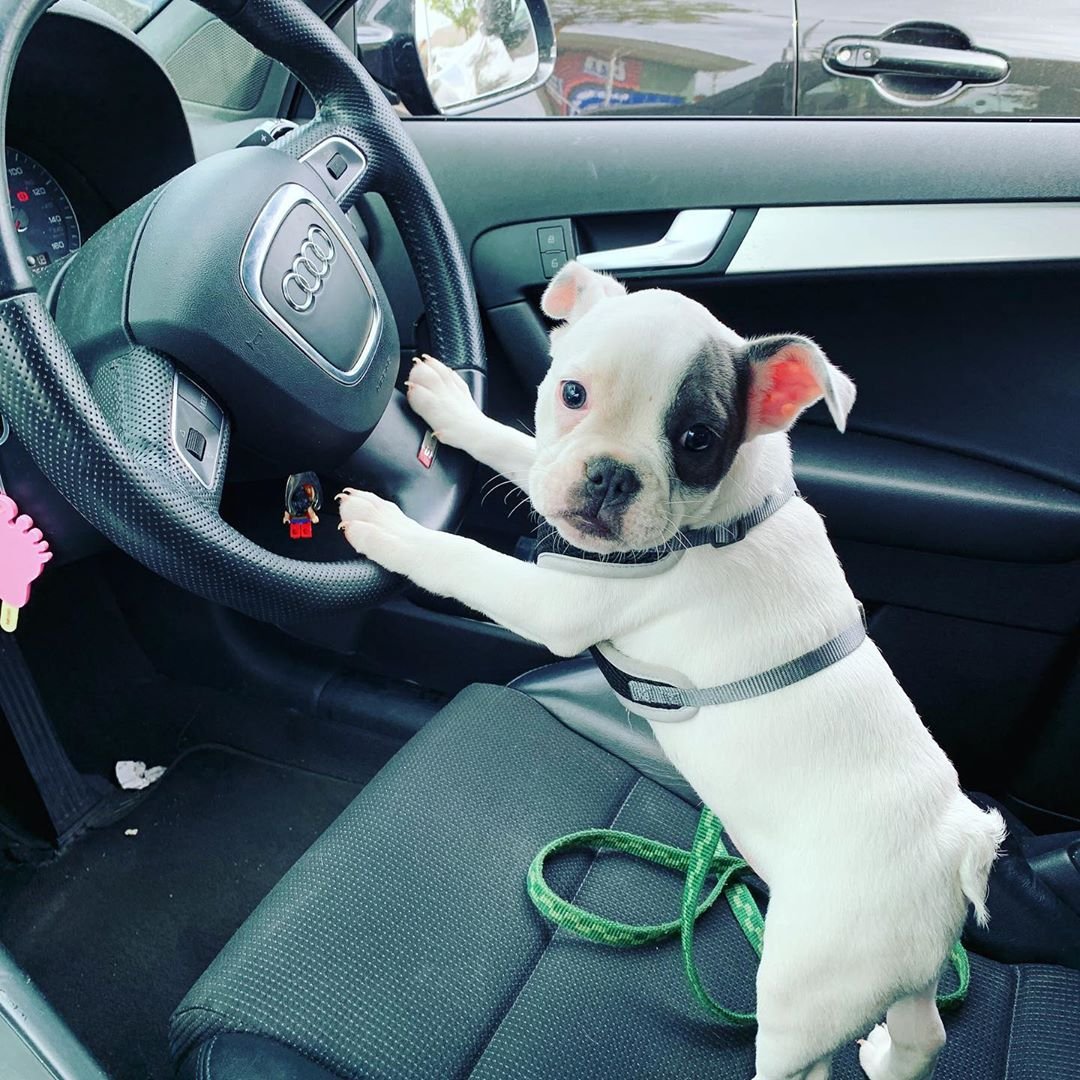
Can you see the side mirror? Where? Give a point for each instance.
(449, 57)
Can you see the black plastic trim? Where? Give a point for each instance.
(884, 491)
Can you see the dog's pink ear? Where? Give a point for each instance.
(788, 373)
(575, 289)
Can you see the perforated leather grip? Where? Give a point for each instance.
(176, 533)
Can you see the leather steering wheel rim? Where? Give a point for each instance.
(48, 401)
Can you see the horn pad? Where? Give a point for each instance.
(302, 271)
(248, 274)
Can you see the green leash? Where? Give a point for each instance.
(707, 856)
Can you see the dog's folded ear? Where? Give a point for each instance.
(788, 373)
(574, 290)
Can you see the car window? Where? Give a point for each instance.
(651, 57)
(957, 58)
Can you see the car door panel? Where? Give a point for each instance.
(1037, 41)
(993, 405)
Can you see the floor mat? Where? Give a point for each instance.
(116, 930)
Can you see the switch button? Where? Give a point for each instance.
(336, 166)
(195, 443)
(553, 262)
(551, 238)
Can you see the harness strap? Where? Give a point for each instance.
(707, 856)
(731, 532)
(656, 694)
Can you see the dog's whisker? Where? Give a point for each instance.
(495, 487)
(518, 506)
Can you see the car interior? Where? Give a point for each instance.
(328, 880)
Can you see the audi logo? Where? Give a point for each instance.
(309, 270)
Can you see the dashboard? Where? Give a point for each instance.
(93, 124)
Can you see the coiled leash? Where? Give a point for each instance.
(707, 857)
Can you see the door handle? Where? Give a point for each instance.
(874, 56)
(692, 237)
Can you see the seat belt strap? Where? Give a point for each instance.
(67, 797)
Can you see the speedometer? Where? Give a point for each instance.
(43, 216)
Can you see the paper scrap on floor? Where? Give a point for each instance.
(134, 775)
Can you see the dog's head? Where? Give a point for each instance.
(646, 404)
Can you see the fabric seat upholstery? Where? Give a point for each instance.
(403, 943)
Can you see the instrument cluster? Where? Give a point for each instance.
(44, 217)
(93, 124)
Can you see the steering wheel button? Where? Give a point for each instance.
(338, 162)
(336, 166)
(195, 395)
(195, 443)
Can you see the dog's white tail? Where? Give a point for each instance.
(985, 831)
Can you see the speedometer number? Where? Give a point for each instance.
(44, 219)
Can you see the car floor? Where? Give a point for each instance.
(117, 928)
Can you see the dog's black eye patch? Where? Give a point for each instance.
(706, 420)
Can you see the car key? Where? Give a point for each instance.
(23, 555)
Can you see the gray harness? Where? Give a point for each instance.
(663, 694)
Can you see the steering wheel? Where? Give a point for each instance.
(236, 299)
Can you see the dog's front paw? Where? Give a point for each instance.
(378, 529)
(441, 398)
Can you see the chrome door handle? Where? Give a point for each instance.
(877, 56)
(691, 239)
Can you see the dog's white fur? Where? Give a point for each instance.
(832, 788)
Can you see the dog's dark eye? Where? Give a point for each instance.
(573, 394)
(697, 438)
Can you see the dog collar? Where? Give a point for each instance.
(663, 694)
(555, 553)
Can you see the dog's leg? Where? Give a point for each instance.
(440, 397)
(565, 612)
(812, 990)
(820, 1070)
(906, 1046)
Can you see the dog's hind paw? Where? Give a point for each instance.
(874, 1054)
(880, 1060)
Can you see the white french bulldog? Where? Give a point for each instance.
(656, 418)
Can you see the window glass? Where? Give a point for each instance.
(666, 57)
(974, 58)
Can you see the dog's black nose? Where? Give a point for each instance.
(609, 484)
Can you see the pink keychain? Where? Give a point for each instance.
(23, 555)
